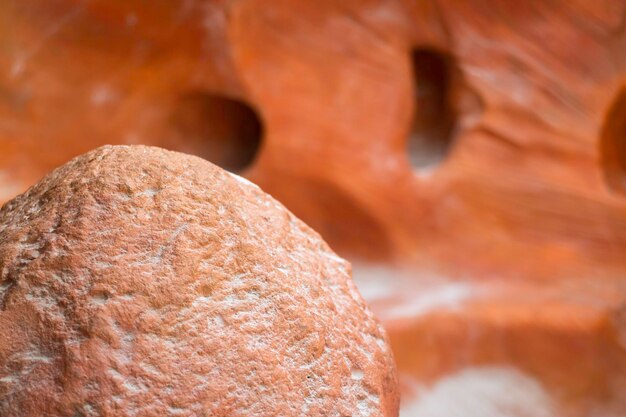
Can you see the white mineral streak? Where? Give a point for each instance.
(410, 295)
(482, 392)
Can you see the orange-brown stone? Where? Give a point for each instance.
(141, 282)
(531, 95)
(479, 141)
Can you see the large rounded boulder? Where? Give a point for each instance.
(140, 282)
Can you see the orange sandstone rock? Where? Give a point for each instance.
(475, 141)
(141, 282)
(341, 110)
(515, 348)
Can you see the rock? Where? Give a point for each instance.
(142, 282)
(480, 142)
(556, 348)
(523, 130)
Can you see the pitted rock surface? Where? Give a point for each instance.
(141, 282)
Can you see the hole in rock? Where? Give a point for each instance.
(613, 144)
(205, 290)
(222, 130)
(435, 118)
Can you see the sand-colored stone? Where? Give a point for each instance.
(142, 282)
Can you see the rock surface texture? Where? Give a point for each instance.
(525, 98)
(142, 282)
(480, 144)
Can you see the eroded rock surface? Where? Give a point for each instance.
(141, 282)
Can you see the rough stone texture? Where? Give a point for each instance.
(514, 244)
(142, 282)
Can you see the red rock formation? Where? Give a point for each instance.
(479, 141)
(564, 337)
(139, 282)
